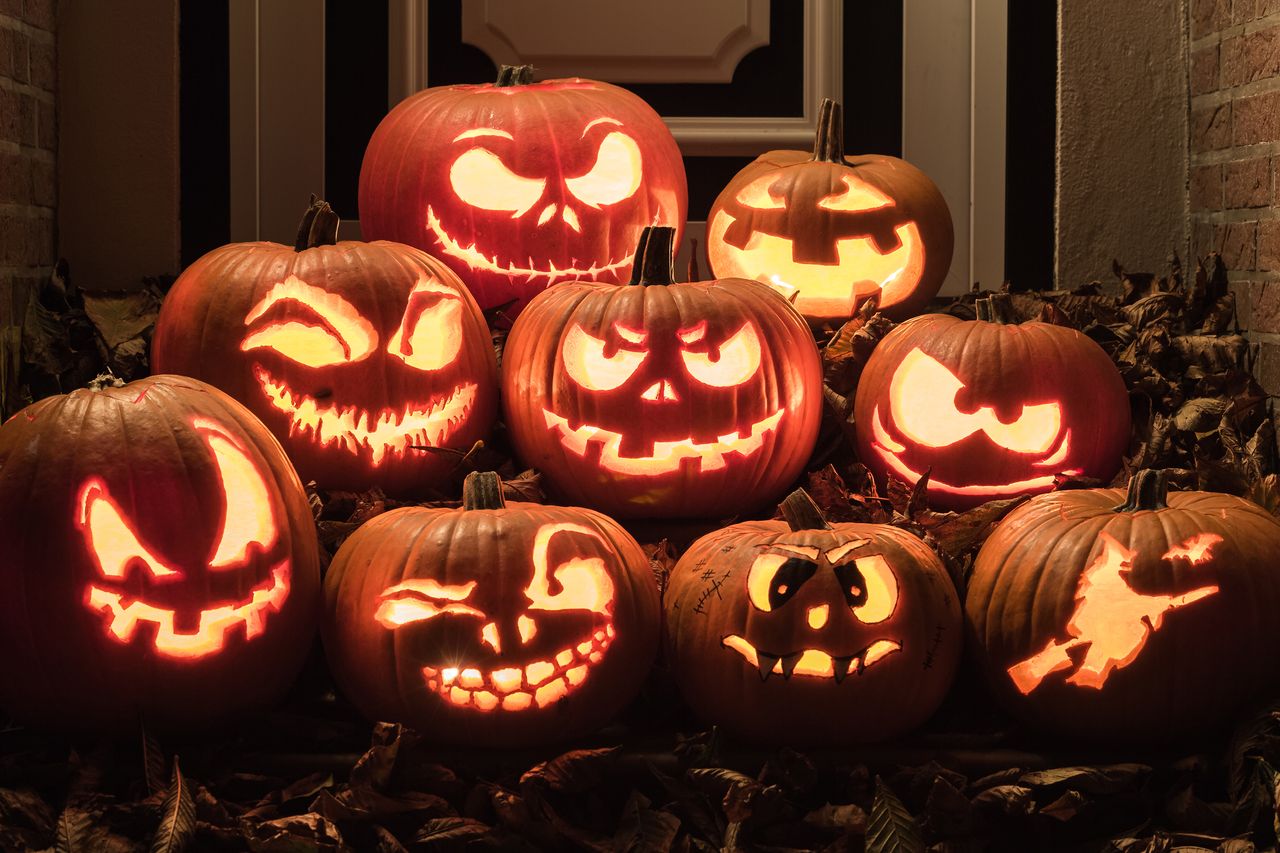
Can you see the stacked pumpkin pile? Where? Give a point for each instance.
(161, 555)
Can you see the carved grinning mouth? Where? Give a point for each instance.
(478, 260)
(812, 663)
(667, 456)
(359, 430)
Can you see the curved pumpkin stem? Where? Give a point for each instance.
(1147, 490)
(105, 380)
(655, 256)
(801, 513)
(996, 308)
(482, 490)
(828, 140)
(514, 75)
(319, 226)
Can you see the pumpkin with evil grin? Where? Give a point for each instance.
(360, 357)
(497, 624)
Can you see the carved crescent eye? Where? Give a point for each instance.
(482, 180)
(737, 361)
(111, 540)
(420, 599)
(247, 517)
(615, 175)
(775, 578)
(586, 363)
(428, 337)
(329, 331)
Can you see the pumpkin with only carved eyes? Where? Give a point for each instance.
(160, 560)
(991, 409)
(663, 400)
(1103, 616)
(518, 185)
(493, 624)
(828, 231)
(360, 357)
(802, 632)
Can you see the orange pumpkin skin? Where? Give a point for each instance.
(661, 400)
(993, 410)
(395, 355)
(1112, 619)
(492, 624)
(203, 607)
(519, 185)
(829, 231)
(872, 602)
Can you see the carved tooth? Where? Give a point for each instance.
(789, 664)
(862, 665)
(765, 662)
(841, 665)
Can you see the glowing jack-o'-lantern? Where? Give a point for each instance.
(991, 409)
(495, 623)
(660, 399)
(518, 185)
(828, 231)
(804, 632)
(1107, 617)
(161, 559)
(360, 357)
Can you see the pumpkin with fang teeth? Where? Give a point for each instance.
(360, 357)
(803, 632)
(494, 624)
(160, 559)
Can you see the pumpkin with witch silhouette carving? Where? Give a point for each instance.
(494, 623)
(160, 560)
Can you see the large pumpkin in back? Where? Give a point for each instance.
(159, 562)
(518, 185)
(360, 357)
(493, 624)
(657, 399)
(1120, 619)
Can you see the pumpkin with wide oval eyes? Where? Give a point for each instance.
(364, 359)
(661, 400)
(1122, 618)
(493, 624)
(802, 632)
(991, 409)
(160, 559)
(828, 231)
(518, 185)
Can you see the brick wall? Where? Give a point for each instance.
(28, 80)
(1235, 156)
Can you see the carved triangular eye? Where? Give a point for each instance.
(734, 362)
(586, 361)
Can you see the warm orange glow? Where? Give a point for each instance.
(584, 581)
(811, 663)
(489, 634)
(337, 333)
(760, 579)
(527, 628)
(481, 179)
(661, 391)
(476, 132)
(615, 175)
(737, 360)
(429, 339)
(584, 359)
(110, 539)
(1111, 621)
(809, 552)
(817, 616)
(1195, 550)
(843, 550)
(857, 196)
(247, 515)
(882, 589)
(419, 599)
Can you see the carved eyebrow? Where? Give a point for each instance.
(631, 336)
(482, 131)
(429, 588)
(839, 552)
(604, 120)
(693, 334)
(332, 308)
(799, 550)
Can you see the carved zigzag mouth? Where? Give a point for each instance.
(478, 260)
(667, 456)
(813, 663)
(358, 430)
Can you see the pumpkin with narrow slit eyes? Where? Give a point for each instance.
(160, 560)
(992, 409)
(517, 185)
(660, 399)
(802, 632)
(492, 624)
(365, 359)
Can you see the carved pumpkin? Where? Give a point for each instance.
(802, 632)
(494, 624)
(518, 185)
(360, 357)
(828, 231)
(991, 409)
(1107, 617)
(657, 399)
(160, 559)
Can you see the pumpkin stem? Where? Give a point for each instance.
(514, 75)
(801, 513)
(828, 140)
(1147, 490)
(655, 256)
(319, 226)
(105, 380)
(482, 490)
(996, 308)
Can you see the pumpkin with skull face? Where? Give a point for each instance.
(828, 231)
(518, 185)
(1110, 617)
(360, 357)
(496, 624)
(803, 632)
(160, 559)
(658, 399)
(991, 409)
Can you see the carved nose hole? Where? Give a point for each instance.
(571, 219)
(818, 616)
(660, 392)
(547, 212)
